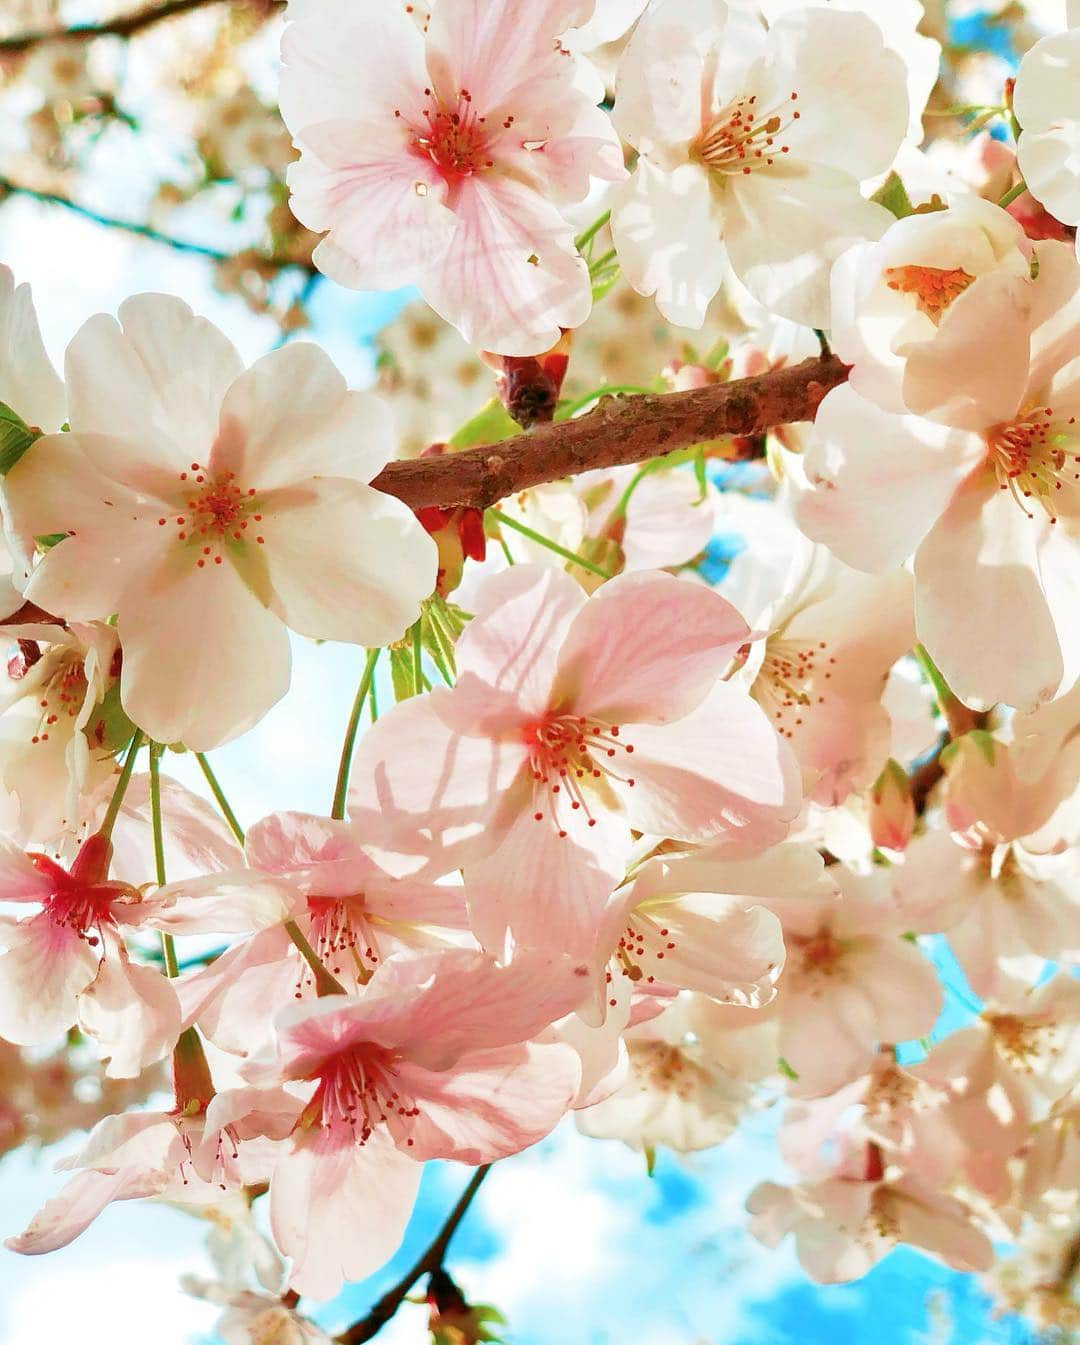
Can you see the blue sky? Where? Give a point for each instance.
(572, 1240)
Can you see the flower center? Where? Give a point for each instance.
(634, 955)
(357, 1092)
(819, 955)
(62, 697)
(665, 1068)
(83, 908)
(219, 513)
(340, 930)
(1021, 1041)
(567, 753)
(1035, 458)
(743, 137)
(790, 681)
(455, 139)
(932, 287)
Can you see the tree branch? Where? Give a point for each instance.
(431, 1260)
(618, 432)
(124, 25)
(10, 188)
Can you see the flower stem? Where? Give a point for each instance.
(1013, 192)
(586, 237)
(325, 983)
(113, 810)
(168, 948)
(341, 788)
(222, 802)
(959, 717)
(551, 546)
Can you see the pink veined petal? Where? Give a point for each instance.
(61, 1219)
(132, 1013)
(425, 795)
(340, 1211)
(233, 1000)
(511, 279)
(512, 645)
(319, 53)
(242, 1133)
(647, 649)
(127, 1140)
(713, 944)
(435, 1008)
(345, 562)
(828, 1040)
(719, 772)
(667, 227)
(878, 481)
(44, 970)
(492, 1104)
(203, 659)
(667, 521)
(981, 606)
(197, 838)
(290, 417)
(222, 903)
(901, 984)
(20, 880)
(547, 890)
(495, 50)
(386, 211)
(154, 381)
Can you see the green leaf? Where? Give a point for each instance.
(108, 728)
(785, 1069)
(403, 672)
(15, 438)
(491, 424)
(650, 1159)
(892, 194)
(48, 540)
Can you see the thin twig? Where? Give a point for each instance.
(144, 231)
(431, 1260)
(124, 25)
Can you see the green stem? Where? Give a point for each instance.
(1013, 192)
(222, 802)
(325, 983)
(168, 948)
(609, 390)
(418, 653)
(547, 542)
(113, 810)
(341, 788)
(584, 239)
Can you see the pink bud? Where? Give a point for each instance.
(892, 809)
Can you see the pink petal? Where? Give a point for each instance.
(720, 771)
(340, 1212)
(647, 648)
(42, 973)
(132, 1013)
(61, 1219)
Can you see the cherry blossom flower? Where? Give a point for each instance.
(351, 911)
(851, 981)
(28, 382)
(752, 147)
(206, 507)
(67, 963)
(690, 1080)
(60, 723)
(985, 495)
(909, 311)
(1047, 106)
(450, 170)
(433, 1061)
(563, 732)
(833, 635)
(844, 1225)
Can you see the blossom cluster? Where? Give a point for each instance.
(646, 839)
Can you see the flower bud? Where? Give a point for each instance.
(892, 809)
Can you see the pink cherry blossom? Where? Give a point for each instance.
(353, 913)
(986, 495)
(449, 166)
(573, 721)
(211, 509)
(67, 963)
(433, 1061)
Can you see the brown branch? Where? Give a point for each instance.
(430, 1261)
(618, 432)
(124, 25)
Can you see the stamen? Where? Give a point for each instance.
(742, 139)
(1035, 457)
(934, 288)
